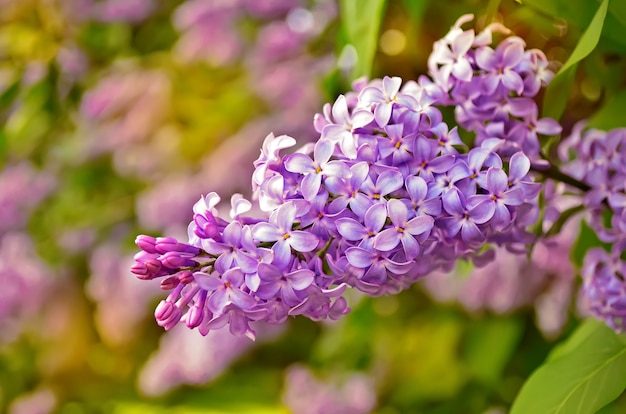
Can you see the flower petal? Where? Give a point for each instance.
(387, 239)
(359, 257)
(303, 241)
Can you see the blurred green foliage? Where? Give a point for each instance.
(426, 357)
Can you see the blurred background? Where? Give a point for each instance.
(116, 115)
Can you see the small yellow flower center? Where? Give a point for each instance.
(286, 236)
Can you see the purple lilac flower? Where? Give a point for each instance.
(599, 164)
(23, 188)
(40, 401)
(465, 219)
(341, 126)
(491, 88)
(121, 112)
(207, 32)
(316, 168)
(25, 284)
(120, 301)
(132, 11)
(598, 185)
(403, 230)
(605, 286)
(206, 357)
(355, 395)
(380, 207)
(279, 230)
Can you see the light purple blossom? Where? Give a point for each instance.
(317, 168)
(278, 283)
(372, 205)
(373, 222)
(341, 127)
(355, 395)
(384, 97)
(403, 230)
(279, 230)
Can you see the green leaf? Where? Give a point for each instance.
(587, 239)
(611, 114)
(557, 92)
(582, 332)
(563, 219)
(489, 346)
(584, 375)
(578, 13)
(360, 20)
(416, 9)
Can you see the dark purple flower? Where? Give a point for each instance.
(422, 199)
(465, 219)
(225, 290)
(499, 194)
(231, 250)
(428, 161)
(605, 287)
(403, 230)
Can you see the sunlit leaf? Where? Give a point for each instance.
(585, 376)
(611, 114)
(584, 331)
(578, 13)
(557, 92)
(361, 21)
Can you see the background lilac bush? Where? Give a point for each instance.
(117, 116)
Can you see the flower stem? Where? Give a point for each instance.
(553, 172)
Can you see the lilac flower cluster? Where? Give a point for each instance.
(605, 286)
(306, 394)
(600, 167)
(493, 88)
(385, 196)
(209, 28)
